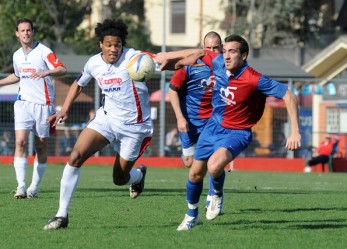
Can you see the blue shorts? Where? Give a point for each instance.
(214, 136)
(190, 138)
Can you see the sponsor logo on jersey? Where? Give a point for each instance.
(109, 81)
(27, 70)
(113, 89)
(227, 95)
(208, 84)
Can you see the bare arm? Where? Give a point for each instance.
(58, 71)
(182, 124)
(9, 80)
(294, 140)
(73, 93)
(168, 60)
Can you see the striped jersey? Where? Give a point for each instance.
(239, 99)
(194, 85)
(125, 100)
(40, 58)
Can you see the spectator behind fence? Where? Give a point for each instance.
(277, 148)
(5, 140)
(91, 116)
(66, 143)
(173, 143)
(251, 149)
(322, 153)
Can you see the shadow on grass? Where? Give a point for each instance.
(255, 190)
(285, 224)
(287, 210)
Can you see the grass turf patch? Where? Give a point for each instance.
(261, 210)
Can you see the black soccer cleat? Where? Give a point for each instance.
(56, 223)
(137, 188)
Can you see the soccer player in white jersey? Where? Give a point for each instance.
(123, 119)
(34, 68)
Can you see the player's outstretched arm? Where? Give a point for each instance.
(190, 60)
(9, 80)
(294, 140)
(170, 60)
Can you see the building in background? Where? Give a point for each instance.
(187, 21)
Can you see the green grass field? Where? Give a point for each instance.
(261, 210)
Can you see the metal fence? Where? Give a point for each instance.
(314, 98)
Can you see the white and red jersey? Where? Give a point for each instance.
(40, 58)
(125, 100)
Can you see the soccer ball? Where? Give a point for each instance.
(140, 67)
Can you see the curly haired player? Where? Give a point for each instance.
(123, 119)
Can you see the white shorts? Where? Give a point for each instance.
(32, 116)
(130, 141)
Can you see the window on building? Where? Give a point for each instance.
(178, 16)
(336, 121)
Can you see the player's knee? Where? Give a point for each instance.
(21, 143)
(214, 169)
(196, 176)
(75, 158)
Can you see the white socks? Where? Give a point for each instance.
(20, 166)
(38, 171)
(135, 176)
(68, 185)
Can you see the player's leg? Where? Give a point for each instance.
(88, 143)
(228, 145)
(41, 130)
(215, 196)
(39, 168)
(188, 143)
(197, 172)
(194, 188)
(21, 162)
(125, 173)
(131, 143)
(23, 125)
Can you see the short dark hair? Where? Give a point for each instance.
(237, 38)
(113, 28)
(213, 34)
(24, 20)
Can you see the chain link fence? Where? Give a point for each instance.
(323, 110)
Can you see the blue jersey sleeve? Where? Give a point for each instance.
(270, 87)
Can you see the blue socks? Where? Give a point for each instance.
(194, 191)
(216, 185)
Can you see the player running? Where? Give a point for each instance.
(34, 67)
(190, 93)
(123, 119)
(238, 103)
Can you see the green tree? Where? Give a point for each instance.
(281, 22)
(56, 23)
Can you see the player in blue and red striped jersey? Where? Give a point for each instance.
(191, 95)
(238, 103)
